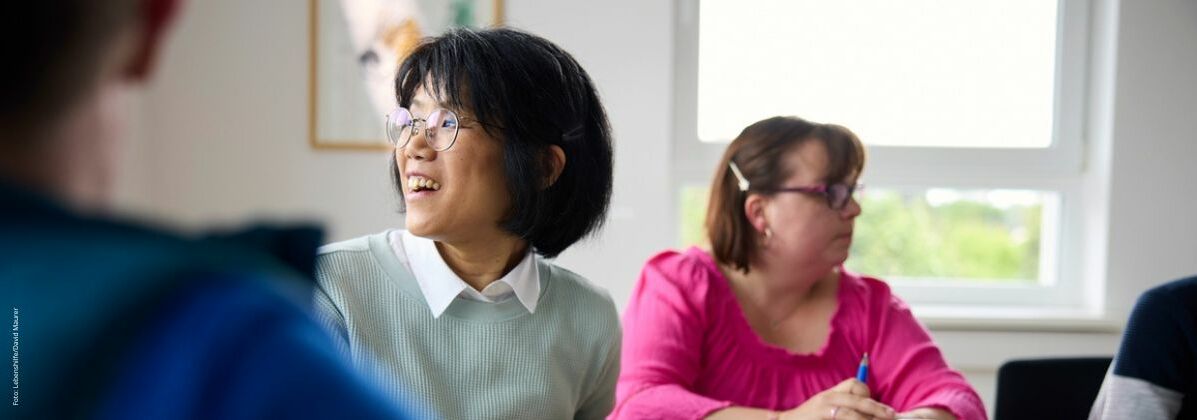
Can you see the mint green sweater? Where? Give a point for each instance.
(477, 360)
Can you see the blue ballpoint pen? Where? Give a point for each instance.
(862, 375)
(862, 372)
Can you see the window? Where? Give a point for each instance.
(937, 235)
(972, 123)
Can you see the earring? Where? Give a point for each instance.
(768, 235)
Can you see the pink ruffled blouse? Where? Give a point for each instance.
(688, 350)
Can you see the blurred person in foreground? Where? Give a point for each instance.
(112, 319)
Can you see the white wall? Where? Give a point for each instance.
(224, 137)
(227, 120)
(1153, 186)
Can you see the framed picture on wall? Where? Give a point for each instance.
(355, 49)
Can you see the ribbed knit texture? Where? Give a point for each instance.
(478, 360)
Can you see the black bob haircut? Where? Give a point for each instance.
(530, 94)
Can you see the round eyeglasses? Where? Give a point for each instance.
(440, 128)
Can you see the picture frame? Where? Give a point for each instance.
(355, 47)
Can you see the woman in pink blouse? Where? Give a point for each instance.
(768, 324)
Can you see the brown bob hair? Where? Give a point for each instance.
(759, 152)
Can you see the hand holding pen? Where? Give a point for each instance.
(862, 375)
(848, 400)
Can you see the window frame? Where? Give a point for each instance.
(1059, 168)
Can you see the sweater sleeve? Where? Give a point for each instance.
(909, 369)
(602, 395)
(663, 342)
(1154, 365)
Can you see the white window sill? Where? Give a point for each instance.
(1030, 319)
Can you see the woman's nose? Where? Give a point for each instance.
(851, 209)
(418, 148)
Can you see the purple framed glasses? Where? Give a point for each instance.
(837, 195)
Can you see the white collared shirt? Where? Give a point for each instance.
(440, 285)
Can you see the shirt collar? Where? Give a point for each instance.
(440, 285)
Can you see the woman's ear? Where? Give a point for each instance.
(754, 210)
(156, 17)
(555, 163)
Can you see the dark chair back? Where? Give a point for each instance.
(1055, 389)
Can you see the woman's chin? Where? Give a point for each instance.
(838, 258)
(419, 226)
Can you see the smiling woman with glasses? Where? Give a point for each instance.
(502, 160)
(767, 324)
